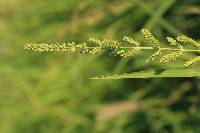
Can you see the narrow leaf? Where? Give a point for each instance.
(159, 73)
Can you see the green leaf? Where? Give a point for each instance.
(158, 73)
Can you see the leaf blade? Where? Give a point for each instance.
(158, 73)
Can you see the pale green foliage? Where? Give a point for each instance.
(116, 48)
(191, 72)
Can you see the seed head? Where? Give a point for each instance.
(189, 40)
(193, 61)
(172, 41)
(147, 34)
(131, 41)
(171, 56)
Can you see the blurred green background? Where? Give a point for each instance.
(52, 93)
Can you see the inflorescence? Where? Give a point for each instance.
(115, 47)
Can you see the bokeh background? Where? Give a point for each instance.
(52, 93)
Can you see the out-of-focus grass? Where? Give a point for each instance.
(53, 93)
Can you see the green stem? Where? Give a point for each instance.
(152, 48)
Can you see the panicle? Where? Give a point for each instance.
(115, 47)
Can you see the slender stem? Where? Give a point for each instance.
(161, 49)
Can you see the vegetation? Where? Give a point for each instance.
(50, 92)
(114, 47)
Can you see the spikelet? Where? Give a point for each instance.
(189, 40)
(128, 53)
(42, 47)
(81, 45)
(147, 34)
(95, 51)
(120, 52)
(111, 43)
(97, 41)
(70, 48)
(153, 57)
(83, 48)
(171, 56)
(193, 61)
(106, 43)
(131, 41)
(171, 41)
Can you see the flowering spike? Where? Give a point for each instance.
(131, 41)
(153, 57)
(128, 53)
(97, 41)
(189, 40)
(147, 34)
(172, 41)
(42, 47)
(111, 43)
(193, 61)
(171, 56)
